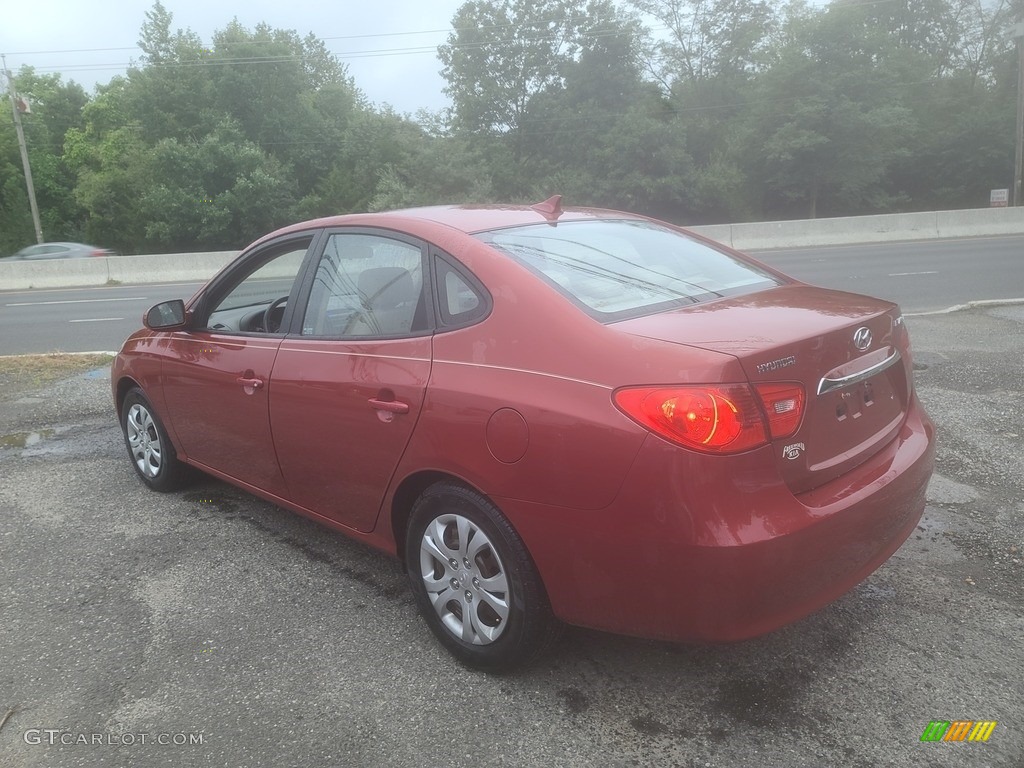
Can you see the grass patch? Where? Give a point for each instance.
(23, 372)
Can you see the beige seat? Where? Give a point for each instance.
(389, 298)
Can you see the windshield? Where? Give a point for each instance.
(618, 269)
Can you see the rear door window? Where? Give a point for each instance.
(367, 285)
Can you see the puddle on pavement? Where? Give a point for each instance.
(25, 439)
(34, 443)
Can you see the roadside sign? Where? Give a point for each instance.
(999, 198)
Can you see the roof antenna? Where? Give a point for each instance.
(550, 209)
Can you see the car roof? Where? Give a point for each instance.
(480, 218)
(468, 219)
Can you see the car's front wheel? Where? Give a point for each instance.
(148, 446)
(474, 580)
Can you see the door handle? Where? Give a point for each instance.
(391, 406)
(245, 382)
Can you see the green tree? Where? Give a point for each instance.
(169, 92)
(705, 39)
(501, 54)
(832, 118)
(214, 193)
(211, 146)
(605, 137)
(720, 110)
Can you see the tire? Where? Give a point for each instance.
(149, 447)
(474, 581)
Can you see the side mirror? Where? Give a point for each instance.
(165, 316)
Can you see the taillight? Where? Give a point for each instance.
(716, 418)
(783, 405)
(720, 418)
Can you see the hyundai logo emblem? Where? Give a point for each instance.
(862, 338)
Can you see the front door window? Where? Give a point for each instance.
(256, 301)
(367, 286)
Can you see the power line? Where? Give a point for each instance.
(342, 55)
(366, 36)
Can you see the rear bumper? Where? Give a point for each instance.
(699, 548)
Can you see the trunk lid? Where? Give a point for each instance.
(857, 383)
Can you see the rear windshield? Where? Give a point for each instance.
(619, 269)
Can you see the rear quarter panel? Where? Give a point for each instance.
(556, 367)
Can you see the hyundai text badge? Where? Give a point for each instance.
(862, 338)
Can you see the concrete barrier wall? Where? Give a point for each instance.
(192, 267)
(158, 268)
(168, 268)
(868, 229)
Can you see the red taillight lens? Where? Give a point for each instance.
(783, 405)
(720, 418)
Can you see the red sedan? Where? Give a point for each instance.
(549, 416)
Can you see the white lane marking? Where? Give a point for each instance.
(73, 301)
(96, 320)
(904, 274)
(44, 291)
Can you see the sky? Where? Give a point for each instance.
(389, 46)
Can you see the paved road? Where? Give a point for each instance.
(919, 276)
(78, 319)
(242, 635)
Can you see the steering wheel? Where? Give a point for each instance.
(270, 311)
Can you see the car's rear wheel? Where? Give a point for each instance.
(148, 446)
(474, 580)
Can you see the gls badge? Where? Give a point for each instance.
(792, 452)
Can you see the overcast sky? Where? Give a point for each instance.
(389, 46)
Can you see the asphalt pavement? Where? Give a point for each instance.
(79, 319)
(920, 276)
(208, 628)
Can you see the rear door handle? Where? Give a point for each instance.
(254, 383)
(391, 406)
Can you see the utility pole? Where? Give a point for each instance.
(1018, 35)
(24, 152)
